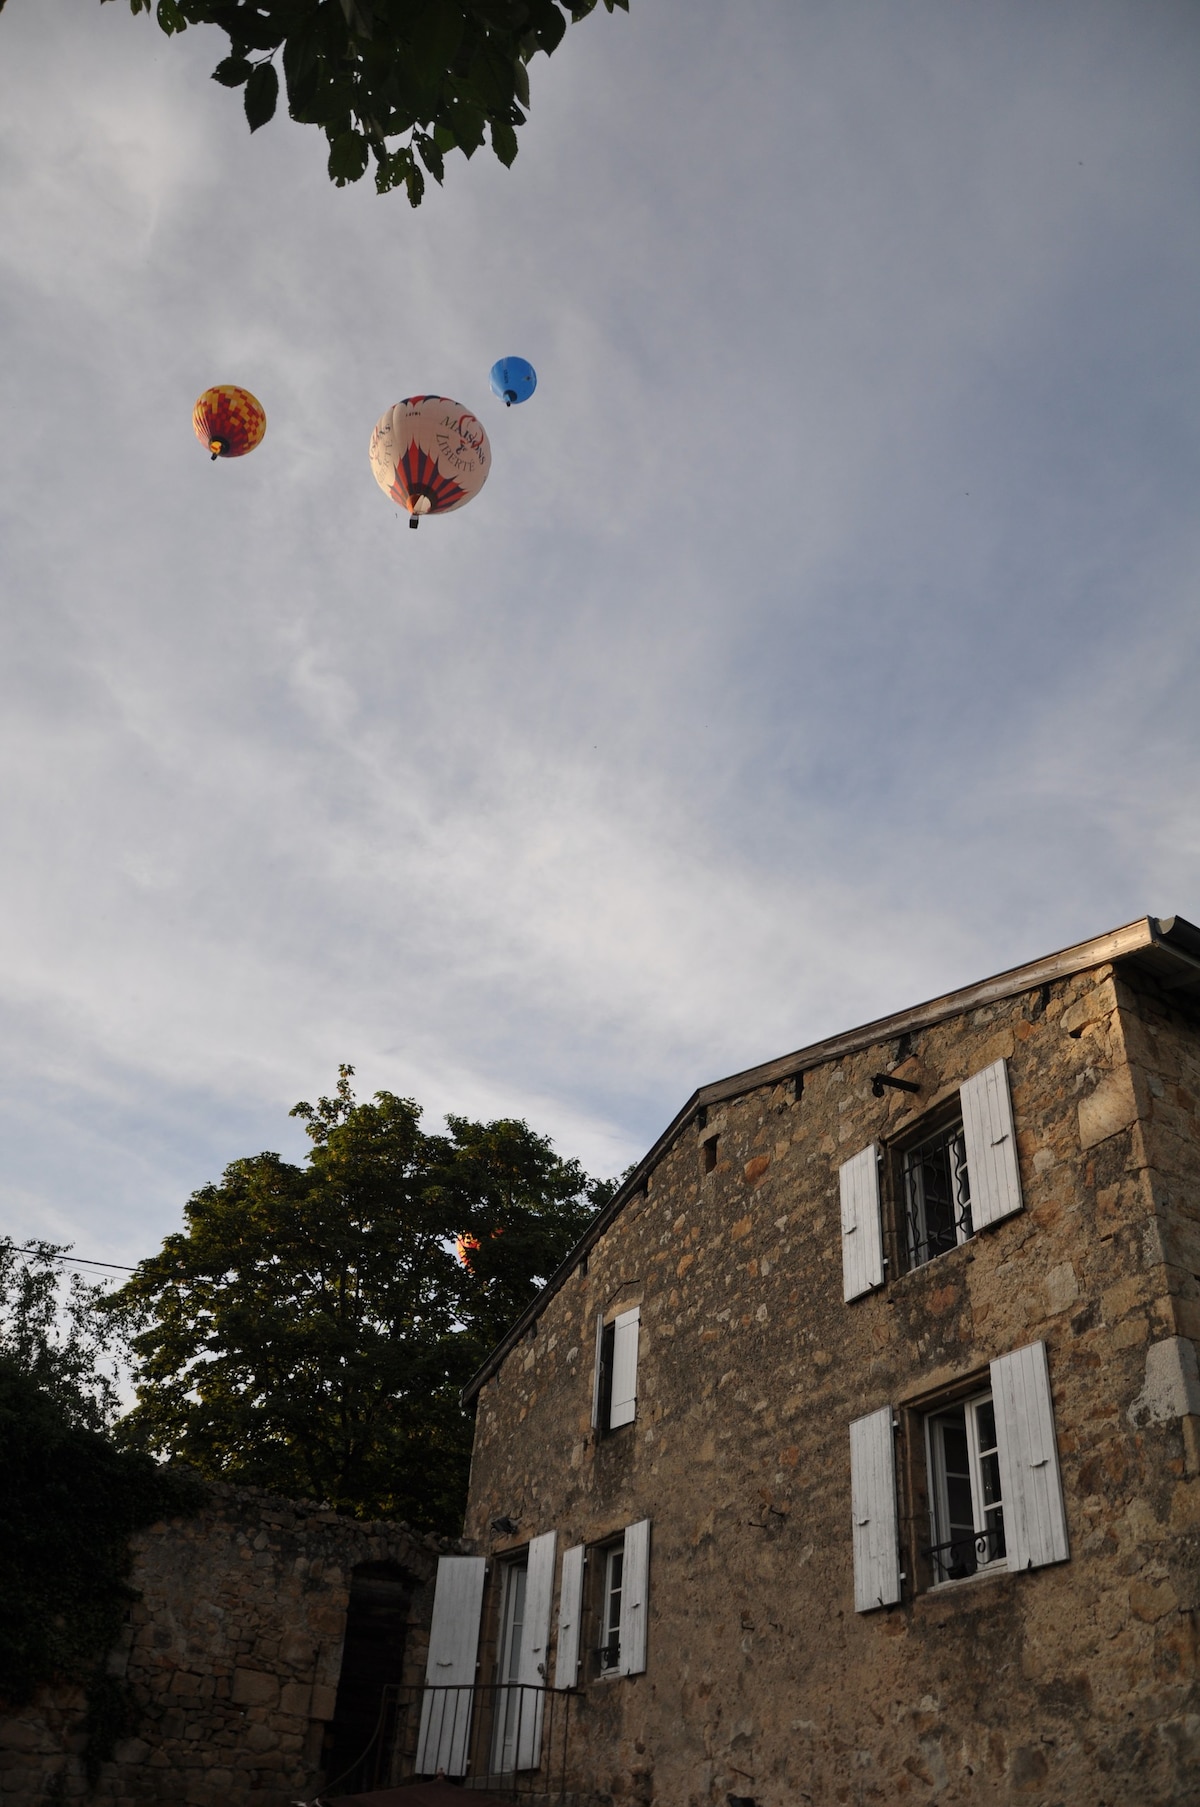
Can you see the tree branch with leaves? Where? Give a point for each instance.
(400, 81)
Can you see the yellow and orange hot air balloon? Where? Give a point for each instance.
(229, 421)
(468, 1246)
(430, 455)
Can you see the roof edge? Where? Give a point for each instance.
(1173, 932)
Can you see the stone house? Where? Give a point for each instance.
(853, 1455)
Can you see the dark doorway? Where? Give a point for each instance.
(373, 1656)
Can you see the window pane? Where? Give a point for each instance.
(937, 1195)
(610, 1649)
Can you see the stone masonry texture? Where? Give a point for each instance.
(232, 1652)
(1071, 1685)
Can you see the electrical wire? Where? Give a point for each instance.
(71, 1260)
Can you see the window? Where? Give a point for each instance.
(618, 1592)
(987, 1462)
(610, 1610)
(952, 1182)
(614, 1387)
(937, 1194)
(965, 1505)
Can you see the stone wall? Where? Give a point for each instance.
(1072, 1685)
(232, 1654)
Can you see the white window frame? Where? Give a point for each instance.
(611, 1589)
(986, 1488)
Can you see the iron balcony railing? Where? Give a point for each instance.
(508, 1738)
(967, 1553)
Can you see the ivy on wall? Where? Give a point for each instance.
(69, 1502)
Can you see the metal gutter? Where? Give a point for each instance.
(1167, 945)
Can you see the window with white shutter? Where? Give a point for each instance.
(991, 1146)
(962, 1176)
(862, 1223)
(874, 1520)
(635, 1598)
(1035, 1518)
(570, 1616)
(623, 1404)
(444, 1737)
(995, 1493)
(614, 1385)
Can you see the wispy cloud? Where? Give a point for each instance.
(825, 635)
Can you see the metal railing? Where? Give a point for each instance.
(508, 1738)
(966, 1554)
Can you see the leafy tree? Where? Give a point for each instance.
(311, 1327)
(65, 1346)
(69, 1498)
(434, 74)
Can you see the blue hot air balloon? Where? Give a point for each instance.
(513, 380)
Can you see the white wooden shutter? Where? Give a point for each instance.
(597, 1375)
(570, 1618)
(991, 1145)
(862, 1224)
(873, 1511)
(535, 1645)
(624, 1369)
(635, 1597)
(450, 1671)
(1035, 1520)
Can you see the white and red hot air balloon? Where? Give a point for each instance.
(430, 455)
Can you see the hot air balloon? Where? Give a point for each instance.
(229, 421)
(513, 380)
(430, 455)
(468, 1246)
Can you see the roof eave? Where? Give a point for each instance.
(1170, 939)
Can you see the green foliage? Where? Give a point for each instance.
(369, 72)
(310, 1329)
(69, 1498)
(65, 1345)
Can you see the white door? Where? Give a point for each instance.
(444, 1738)
(506, 1720)
(535, 1649)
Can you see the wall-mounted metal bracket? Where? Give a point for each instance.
(879, 1080)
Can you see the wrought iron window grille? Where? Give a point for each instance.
(937, 1195)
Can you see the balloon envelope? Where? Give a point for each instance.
(513, 380)
(228, 421)
(430, 455)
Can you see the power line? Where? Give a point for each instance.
(72, 1260)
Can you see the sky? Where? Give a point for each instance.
(827, 634)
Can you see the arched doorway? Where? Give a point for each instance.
(377, 1620)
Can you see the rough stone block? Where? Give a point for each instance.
(255, 1688)
(1110, 1108)
(294, 1698)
